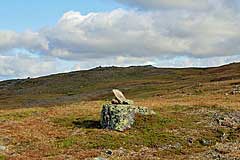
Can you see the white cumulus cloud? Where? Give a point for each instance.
(23, 65)
(139, 34)
(161, 30)
(27, 40)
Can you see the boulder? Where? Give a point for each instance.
(117, 117)
(120, 114)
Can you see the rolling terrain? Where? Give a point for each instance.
(136, 82)
(57, 117)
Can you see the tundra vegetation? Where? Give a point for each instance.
(58, 117)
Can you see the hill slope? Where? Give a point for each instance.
(195, 118)
(137, 82)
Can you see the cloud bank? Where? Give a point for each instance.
(32, 41)
(24, 65)
(192, 28)
(168, 4)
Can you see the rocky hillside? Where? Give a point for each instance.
(97, 83)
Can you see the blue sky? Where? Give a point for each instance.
(20, 15)
(50, 36)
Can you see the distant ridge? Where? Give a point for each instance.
(96, 83)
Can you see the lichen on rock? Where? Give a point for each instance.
(120, 115)
(117, 117)
(143, 111)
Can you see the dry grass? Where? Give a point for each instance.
(49, 133)
(184, 100)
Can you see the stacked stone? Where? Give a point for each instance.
(121, 113)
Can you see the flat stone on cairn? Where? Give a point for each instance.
(120, 115)
(119, 96)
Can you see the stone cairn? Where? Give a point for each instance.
(120, 114)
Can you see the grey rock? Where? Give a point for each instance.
(177, 146)
(230, 119)
(117, 117)
(114, 101)
(109, 152)
(2, 148)
(190, 140)
(119, 95)
(205, 142)
(144, 111)
(120, 98)
(235, 90)
(128, 101)
(99, 158)
(120, 117)
(120, 114)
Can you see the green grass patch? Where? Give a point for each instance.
(67, 142)
(20, 115)
(170, 128)
(66, 121)
(3, 157)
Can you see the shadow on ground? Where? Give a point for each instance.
(91, 124)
